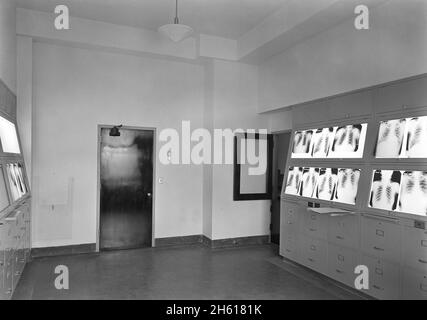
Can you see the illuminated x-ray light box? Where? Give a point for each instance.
(9, 137)
(331, 184)
(346, 141)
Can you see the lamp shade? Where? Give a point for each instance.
(176, 32)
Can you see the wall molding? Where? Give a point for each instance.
(159, 243)
(178, 241)
(63, 250)
(213, 244)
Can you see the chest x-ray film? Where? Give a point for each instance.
(309, 182)
(294, 180)
(347, 186)
(326, 183)
(416, 142)
(322, 141)
(385, 189)
(413, 193)
(349, 141)
(390, 139)
(302, 144)
(4, 199)
(13, 182)
(20, 178)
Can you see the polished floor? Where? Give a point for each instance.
(193, 272)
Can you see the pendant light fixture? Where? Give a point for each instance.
(176, 31)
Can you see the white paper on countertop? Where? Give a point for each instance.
(331, 211)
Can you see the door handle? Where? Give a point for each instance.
(149, 194)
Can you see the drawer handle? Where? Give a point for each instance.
(378, 249)
(422, 261)
(380, 233)
(339, 271)
(313, 230)
(310, 259)
(339, 238)
(287, 250)
(313, 217)
(17, 273)
(289, 222)
(313, 248)
(377, 287)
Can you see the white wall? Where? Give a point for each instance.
(343, 59)
(25, 97)
(77, 89)
(235, 102)
(8, 43)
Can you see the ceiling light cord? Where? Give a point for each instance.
(176, 12)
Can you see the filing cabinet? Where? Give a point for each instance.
(289, 246)
(414, 284)
(314, 254)
(342, 263)
(415, 248)
(343, 230)
(315, 225)
(290, 227)
(381, 238)
(394, 252)
(14, 248)
(384, 280)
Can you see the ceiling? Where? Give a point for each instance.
(224, 18)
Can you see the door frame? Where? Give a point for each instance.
(98, 179)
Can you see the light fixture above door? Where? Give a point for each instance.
(176, 31)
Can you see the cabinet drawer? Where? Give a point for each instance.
(291, 220)
(8, 282)
(415, 248)
(341, 264)
(2, 293)
(344, 230)
(316, 225)
(381, 238)
(289, 247)
(314, 254)
(414, 284)
(383, 278)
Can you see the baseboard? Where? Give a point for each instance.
(213, 244)
(159, 243)
(178, 241)
(236, 242)
(63, 250)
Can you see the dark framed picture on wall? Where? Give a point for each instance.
(253, 156)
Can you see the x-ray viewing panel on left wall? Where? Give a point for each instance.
(4, 199)
(9, 137)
